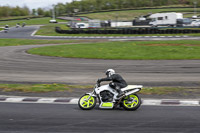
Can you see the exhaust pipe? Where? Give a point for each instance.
(133, 91)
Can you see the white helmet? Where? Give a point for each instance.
(110, 72)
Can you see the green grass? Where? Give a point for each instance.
(133, 50)
(14, 17)
(37, 88)
(177, 91)
(18, 42)
(130, 14)
(49, 30)
(35, 21)
(44, 88)
(160, 90)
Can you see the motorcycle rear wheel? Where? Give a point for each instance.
(87, 104)
(133, 104)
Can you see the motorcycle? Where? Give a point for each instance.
(6, 30)
(108, 99)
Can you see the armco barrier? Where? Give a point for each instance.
(127, 31)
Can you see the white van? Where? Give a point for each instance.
(165, 19)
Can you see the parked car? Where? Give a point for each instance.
(184, 22)
(52, 21)
(82, 25)
(195, 23)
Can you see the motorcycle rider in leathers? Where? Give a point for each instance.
(117, 81)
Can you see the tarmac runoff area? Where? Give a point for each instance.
(151, 102)
(179, 70)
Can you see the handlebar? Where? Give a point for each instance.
(97, 85)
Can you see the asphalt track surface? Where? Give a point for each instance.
(54, 118)
(16, 66)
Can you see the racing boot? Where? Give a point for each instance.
(121, 93)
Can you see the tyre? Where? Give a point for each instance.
(87, 104)
(131, 102)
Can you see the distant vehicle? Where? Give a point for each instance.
(165, 19)
(23, 24)
(17, 25)
(195, 23)
(6, 28)
(184, 22)
(94, 24)
(82, 25)
(52, 21)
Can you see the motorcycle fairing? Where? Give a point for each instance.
(108, 105)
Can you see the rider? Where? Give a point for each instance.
(117, 81)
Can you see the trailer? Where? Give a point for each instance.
(165, 19)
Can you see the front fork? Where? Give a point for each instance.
(90, 94)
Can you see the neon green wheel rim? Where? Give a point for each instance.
(133, 103)
(87, 103)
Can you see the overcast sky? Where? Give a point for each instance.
(32, 3)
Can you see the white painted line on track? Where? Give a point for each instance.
(74, 101)
(46, 100)
(34, 32)
(14, 99)
(151, 102)
(194, 102)
(185, 36)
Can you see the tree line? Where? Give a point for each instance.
(98, 5)
(90, 6)
(7, 11)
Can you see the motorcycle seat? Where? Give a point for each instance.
(131, 87)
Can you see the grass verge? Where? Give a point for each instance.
(130, 14)
(18, 42)
(49, 30)
(37, 88)
(175, 91)
(132, 50)
(45, 88)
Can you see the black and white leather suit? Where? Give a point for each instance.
(117, 81)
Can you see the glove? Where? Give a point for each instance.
(99, 81)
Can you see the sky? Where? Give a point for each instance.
(32, 3)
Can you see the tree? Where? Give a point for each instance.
(34, 12)
(60, 9)
(47, 14)
(40, 11)
(16, 11)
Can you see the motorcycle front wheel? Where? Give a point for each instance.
(131, 102)
(87, 102)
